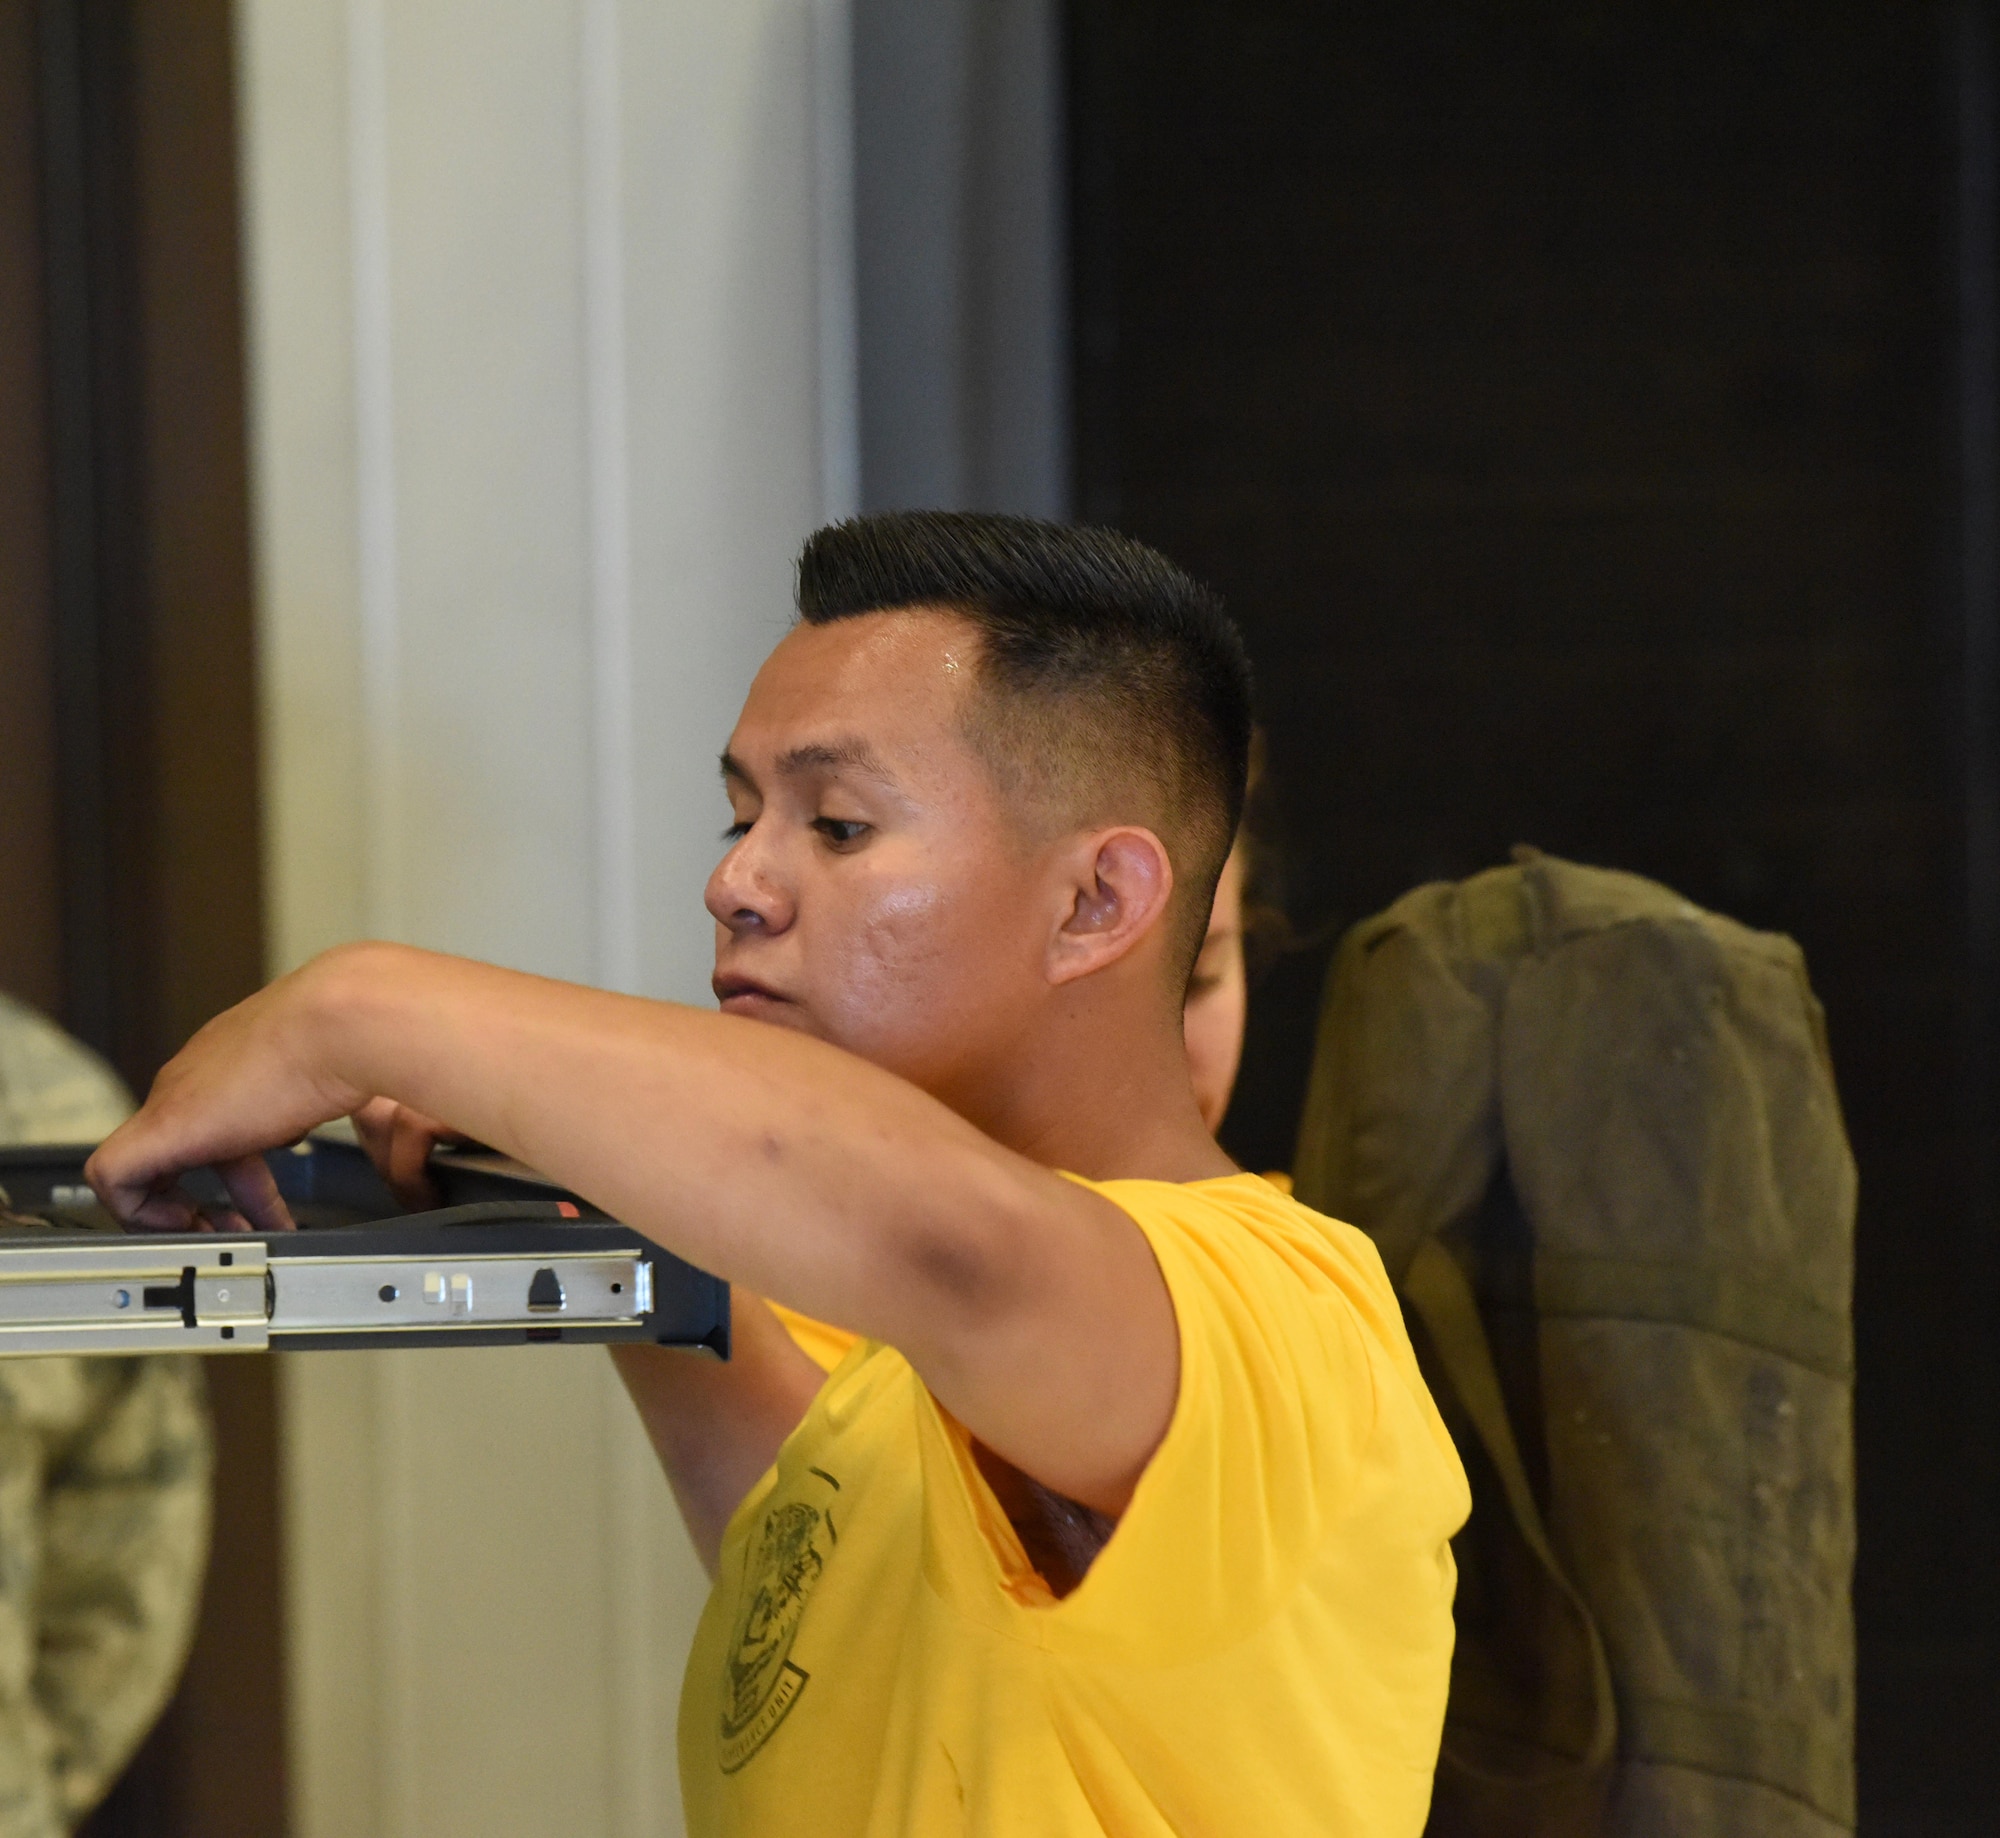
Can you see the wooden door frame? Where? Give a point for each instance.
(131, 899)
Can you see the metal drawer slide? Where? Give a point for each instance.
(514, 1260)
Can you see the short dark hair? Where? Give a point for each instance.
(1104, 666)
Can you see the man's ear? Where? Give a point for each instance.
(1117, 887)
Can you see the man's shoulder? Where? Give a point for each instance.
(1234, 1213)
(1283, 1284)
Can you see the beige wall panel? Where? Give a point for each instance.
(548, 382)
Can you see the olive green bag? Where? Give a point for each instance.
(1593, 1131)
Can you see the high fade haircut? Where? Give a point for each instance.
(1108, 677)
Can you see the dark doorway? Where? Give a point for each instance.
(1588, 410)
(30, 905)
(129, 861)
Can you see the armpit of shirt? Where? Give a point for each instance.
(824, 1345)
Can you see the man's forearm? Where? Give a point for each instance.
(767, 1157)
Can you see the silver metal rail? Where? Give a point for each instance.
(131, 1295)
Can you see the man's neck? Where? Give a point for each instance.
(1103, 1101)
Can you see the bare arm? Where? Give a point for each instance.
(1031, 1306)
(716, 1428)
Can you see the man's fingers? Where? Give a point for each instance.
(259, 1205)
(169, 1207)
(375, 1124)
(133, 1190)
(399, 1142)
(409, 1162)
(168, 1211)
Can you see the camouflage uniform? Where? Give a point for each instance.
(104, 1505)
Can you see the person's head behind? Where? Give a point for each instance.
(1218, 1000)
(1027, 709)
(1247, 930)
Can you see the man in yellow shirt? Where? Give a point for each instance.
(1128, 1511)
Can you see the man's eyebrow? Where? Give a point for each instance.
(854, 755)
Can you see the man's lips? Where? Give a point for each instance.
(744, 989)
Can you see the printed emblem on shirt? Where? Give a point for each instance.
(760, 1681)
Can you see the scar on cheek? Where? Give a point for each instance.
(950, 663)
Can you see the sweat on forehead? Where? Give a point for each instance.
(861, 698)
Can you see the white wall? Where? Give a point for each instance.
(552, 369)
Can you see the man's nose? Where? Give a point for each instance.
(744, 895)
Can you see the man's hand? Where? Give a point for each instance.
(250, 1080)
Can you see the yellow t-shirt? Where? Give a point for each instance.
(826, 1346)
(1261, 1647)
